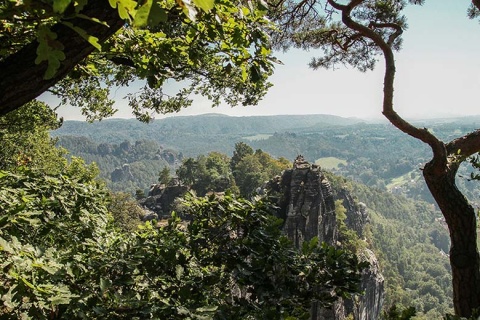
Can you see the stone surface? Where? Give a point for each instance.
(368, 306)
(306, 203)
(161, 198)
(121, 174)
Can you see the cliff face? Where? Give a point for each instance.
(307, 205)
(161, 198)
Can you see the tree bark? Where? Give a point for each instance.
(460, 218)
(21, 80)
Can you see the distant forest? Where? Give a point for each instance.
(375, 154)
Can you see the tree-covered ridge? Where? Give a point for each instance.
(375, 154)
(126, 166)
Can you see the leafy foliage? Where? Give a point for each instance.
(25, 140)
(209, 173)
(49, 227)
(393, 313)
(62, 259)
(197, 41)
(274, 279)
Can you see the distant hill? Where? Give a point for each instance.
(376, 154)
(132, 129)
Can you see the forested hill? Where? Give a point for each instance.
(375, 154)
(214, 123)
(164, 130)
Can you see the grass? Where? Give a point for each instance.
(330, 163)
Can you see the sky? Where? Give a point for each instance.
(438, 75)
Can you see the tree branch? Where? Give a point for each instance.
(465, 146)
(437, 146)
(22, 80)
(476, 3)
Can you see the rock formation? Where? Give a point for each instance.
(121, 174)
(307, 205)
(161, 198)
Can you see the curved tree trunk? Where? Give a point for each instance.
(462, 224)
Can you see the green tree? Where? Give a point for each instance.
(241, 150)
(393, 313)
(367, 29)
(125, 211)
(209, 173)
(25, 139)
(139, 194)
(164, 176)
(249, 175)
(253, 169)
(78, 50)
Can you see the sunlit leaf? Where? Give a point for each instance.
(149, 14)
(60, 6)
(205, 5)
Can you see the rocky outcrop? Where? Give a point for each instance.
(161, 198)
(306, 202)
(369, 305)
(121, 174)
(357, 217)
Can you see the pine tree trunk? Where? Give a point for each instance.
(462, 224)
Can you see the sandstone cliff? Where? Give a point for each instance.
(161, 198)
(307, 204)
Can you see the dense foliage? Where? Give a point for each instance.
(69, 249)
(80, 50)
(243, 173)
(126, 166)
(62, 258)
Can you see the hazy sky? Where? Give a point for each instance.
(438, 74)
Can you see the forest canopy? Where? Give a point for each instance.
(80, 50)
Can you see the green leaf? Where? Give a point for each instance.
(113, 3)
(60, 300)
(4, 246)
(59, 6)
(8, 298)
(150, 14)
(91, 39)
(126, 9)
(179, 270)
(105, 284)
(49, 50)
(207, 309)
(205, 5)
